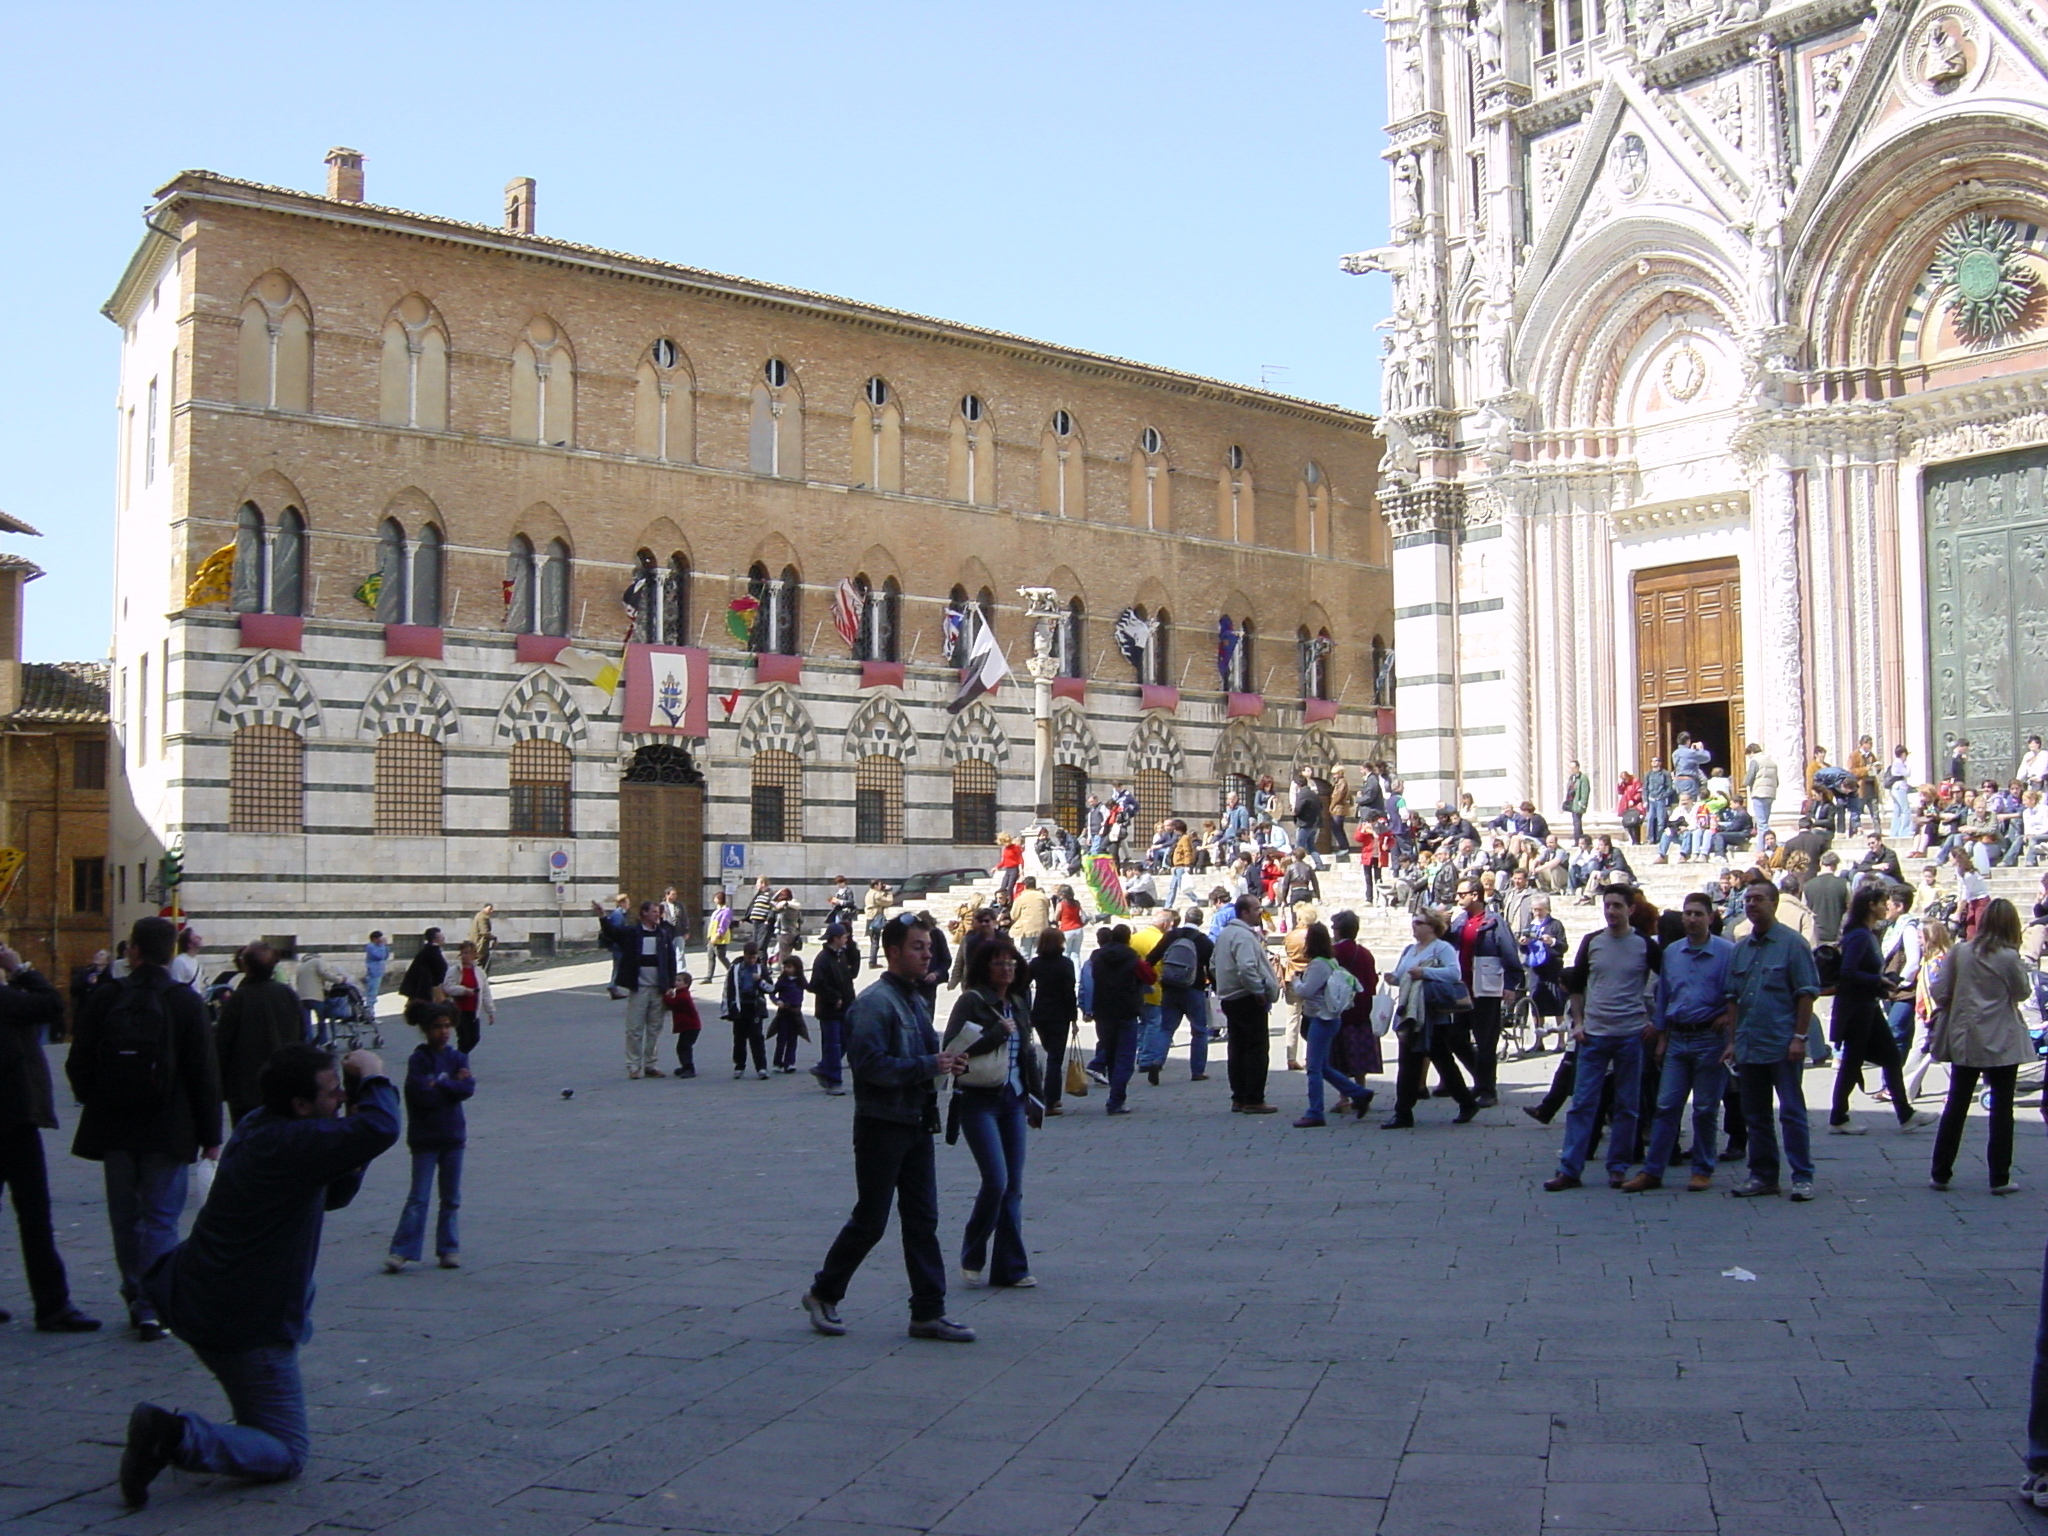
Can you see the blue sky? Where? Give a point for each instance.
(1166, 182)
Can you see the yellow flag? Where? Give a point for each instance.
(214, 580)
(600, 671)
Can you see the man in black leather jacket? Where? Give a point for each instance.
(895, 1058)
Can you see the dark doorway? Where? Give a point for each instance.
(1707, 724)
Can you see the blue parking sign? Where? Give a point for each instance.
(732, 856)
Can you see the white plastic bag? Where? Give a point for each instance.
(1384, 1005)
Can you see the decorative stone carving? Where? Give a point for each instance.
(1722, 103)
(975, 734)
(1980, 261)
(777, 721)
(1551, 157)
(1941, 55)
(880, 728)
(539, 706)
(268, 689)
(1828, 77)
(1156, 745)
(1628, 164)
(410, 698)
(1073, 742)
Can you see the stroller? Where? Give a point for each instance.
(346, 1021)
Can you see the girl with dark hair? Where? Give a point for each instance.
(1862, 992)
(1054, 1007)
(993, 1101)
(1322, 1015)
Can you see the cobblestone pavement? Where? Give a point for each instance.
(1241, 1328)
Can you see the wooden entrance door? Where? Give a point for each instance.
(661, 828)
(1688, 652)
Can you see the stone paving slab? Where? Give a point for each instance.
(1241, 1328)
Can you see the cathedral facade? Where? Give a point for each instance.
(1716, 385)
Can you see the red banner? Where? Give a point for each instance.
(666, 690)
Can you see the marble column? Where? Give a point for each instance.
(1776, 678)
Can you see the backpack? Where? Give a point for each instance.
(1181, 964)
(1833, 780)
(1340, 992)
(1827, 960)
(134, 1071)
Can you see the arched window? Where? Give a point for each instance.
(408, 575)
(880, 611)
(522, 587)
(408, 785)
(1312, 511)
(540, 788)
(391, 572)
(412, 371)
(554, 589)
(1151, 491)
(1069, 797)
(971, 458)
(1382, 674)
(878, 800)
(270, 562)
(675, 601)
(957, 633)
(1234, 504)
(544, 386)
(775, 627)
(775, 434)
(1158, 662)
(643, 599)
(985, 610)
(1314, 652)
(1062, 479)
(1073, 653)
(664, 406)
(789, 591)
(1243, 676)
(275, 351)
(974, 802)
(778, 797)
(877, 446)
(266, 780)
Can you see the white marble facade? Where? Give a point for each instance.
(1714, 280)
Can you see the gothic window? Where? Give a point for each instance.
(554, 589)
(971, 458)
(664, 413)
(423, 587)
(540, 788)
(974, 802)
(878, 800)
(266, 780)
(958, 621)
(412, 370)
(270, 562)
(778, 797)
(1150, 489)
(674, 628)
(1314, 661)
(877, 447)
(1061, 478)
(537, 588)
(1234, 507)
(643, 598)
(1312, 511)
(1382, 674)
(1158, 667)
(408, 786)
(275, 351)
(408, 575)
(1243, 679)
(775, 434)
(985, 611)
(1073, 634)
(880, 613)
(391, 564)
(544, 386)
(777, 618)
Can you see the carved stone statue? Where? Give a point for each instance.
(1407, 194)
(1943, 60)
(1489, 35)
(1400, 463)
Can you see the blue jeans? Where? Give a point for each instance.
(267, 1441)
(1692, 1065)
(1074, 937)
(145, 1198)
(1760, 808)
(992, 1124)
(1758, 1082)
(1899, 1017)
(1599, 1055)
(412, 1222)
(1117, 1048)
(1321, 1035)
(1902, 810)
(1190, 1003)
(831, 1046)
(1655, 814)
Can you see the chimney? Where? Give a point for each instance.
(345, 175)
(15, 573)
(519, 197)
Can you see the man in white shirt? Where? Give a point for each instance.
(185, 964)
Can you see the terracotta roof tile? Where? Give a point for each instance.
(63, 692)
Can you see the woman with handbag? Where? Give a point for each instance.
(1325, 992)
(1053, 1009)
(1862, 991)
(1000, 1093)
(1979, 1032)
(1430, 984)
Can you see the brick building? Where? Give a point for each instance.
(447, 452)
(53, 791)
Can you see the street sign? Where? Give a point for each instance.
(732, 856)
(558, 863)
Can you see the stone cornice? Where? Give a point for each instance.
(1727, 508)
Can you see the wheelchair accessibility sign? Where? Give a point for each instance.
(732, 856)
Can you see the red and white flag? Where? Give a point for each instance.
(847, 608)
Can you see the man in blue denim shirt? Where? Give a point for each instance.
(1772, 983)
(1694, 1024)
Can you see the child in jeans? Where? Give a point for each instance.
(787, 1026)
(437, 1081)
(746, 1003)
(683, 1020)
